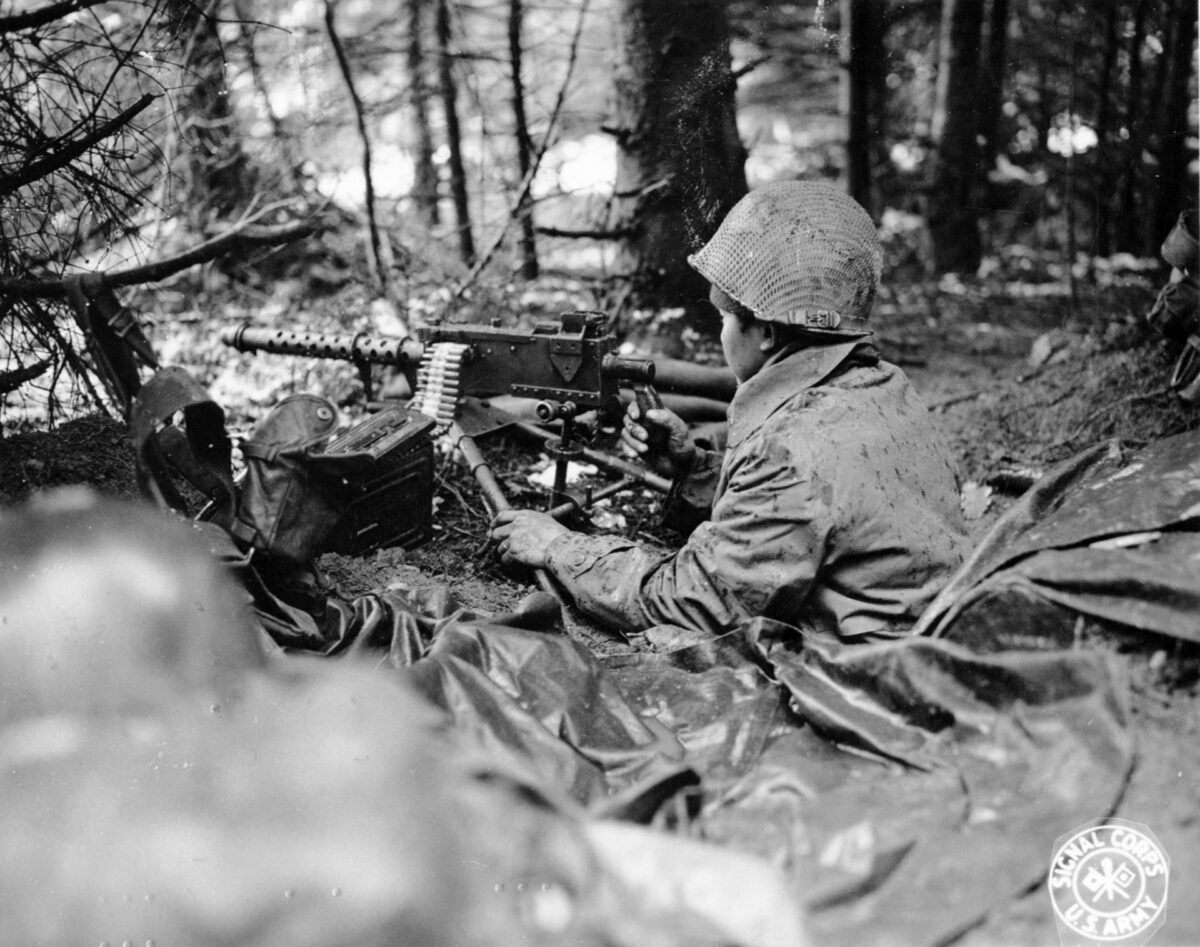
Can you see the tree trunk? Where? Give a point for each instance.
(449, 93)
(953, 200)
(425, 178)
(1171, 194)
(216, 166)
(1128, 240)
(374, 241)
(290, 172)
(528, 269)
(857, 47)
(877, 61)
(1104, 131)
(679, 159)
(1072, 163)
(992, 82)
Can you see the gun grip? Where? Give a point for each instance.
(647, 398)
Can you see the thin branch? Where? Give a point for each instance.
(953, 400)
(343, 62)
(10, 381)
(31, 21)
(100, 95)
(750, 67)
(72, 150)
(529, 262)
(527, 183)
(619, 233)
(70, 355)
(242, 236)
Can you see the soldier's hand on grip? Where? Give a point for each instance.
(659, 438)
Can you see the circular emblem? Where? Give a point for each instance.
(1108, 882)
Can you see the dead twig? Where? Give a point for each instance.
(31, 21)
(66, 152)
(243, 235)
(445, 484)
(375, 256)
(1128, 399)
(10, 381)
(953, 400)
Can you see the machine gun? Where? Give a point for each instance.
(567, 366)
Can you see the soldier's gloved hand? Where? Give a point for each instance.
(660, 439)
(522, 536)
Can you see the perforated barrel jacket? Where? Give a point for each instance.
(835, 505)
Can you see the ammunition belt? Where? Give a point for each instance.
(438, 381)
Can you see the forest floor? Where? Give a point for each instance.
(1018, 376)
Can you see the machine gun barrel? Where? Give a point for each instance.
(363, 348)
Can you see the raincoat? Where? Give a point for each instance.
(834, 507)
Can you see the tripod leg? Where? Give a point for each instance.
(493, 493)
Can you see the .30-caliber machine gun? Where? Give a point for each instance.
(568, 362)
(567, 366)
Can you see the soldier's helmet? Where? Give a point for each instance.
(799, 253)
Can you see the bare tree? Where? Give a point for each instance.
(77, 105)
(76, 100)
(954, 206)
(1104, 128)
(862, 86)
(1171, 194)
(214, 164)
(1128, 237)
(993, 70)
(528, 268)
(449, 93)
(680, 161)
(290, 172)
(374, 241)
(425, 179)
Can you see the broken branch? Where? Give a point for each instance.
(240, 237)
(10, 381)
(620, 233)
(68, 152)
(31, 21)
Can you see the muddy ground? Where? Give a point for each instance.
(1017, 373)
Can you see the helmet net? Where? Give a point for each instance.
(799, 253)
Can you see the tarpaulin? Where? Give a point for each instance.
(162, 783)
(904, 789)
(1111, 535)
(908, 788)
(977, 760)
(328, 809)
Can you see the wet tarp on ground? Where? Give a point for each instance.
(908, 787)
(905, 789)
(1111, 535)
(164, 781)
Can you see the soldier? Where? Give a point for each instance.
(1176, 311)
(834, 505)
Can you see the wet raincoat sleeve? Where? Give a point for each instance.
(758, 555)
(690, 501)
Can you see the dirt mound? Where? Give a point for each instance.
(94, 450)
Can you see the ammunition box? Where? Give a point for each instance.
(392, 501)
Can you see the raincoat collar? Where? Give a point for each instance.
(787, 373)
